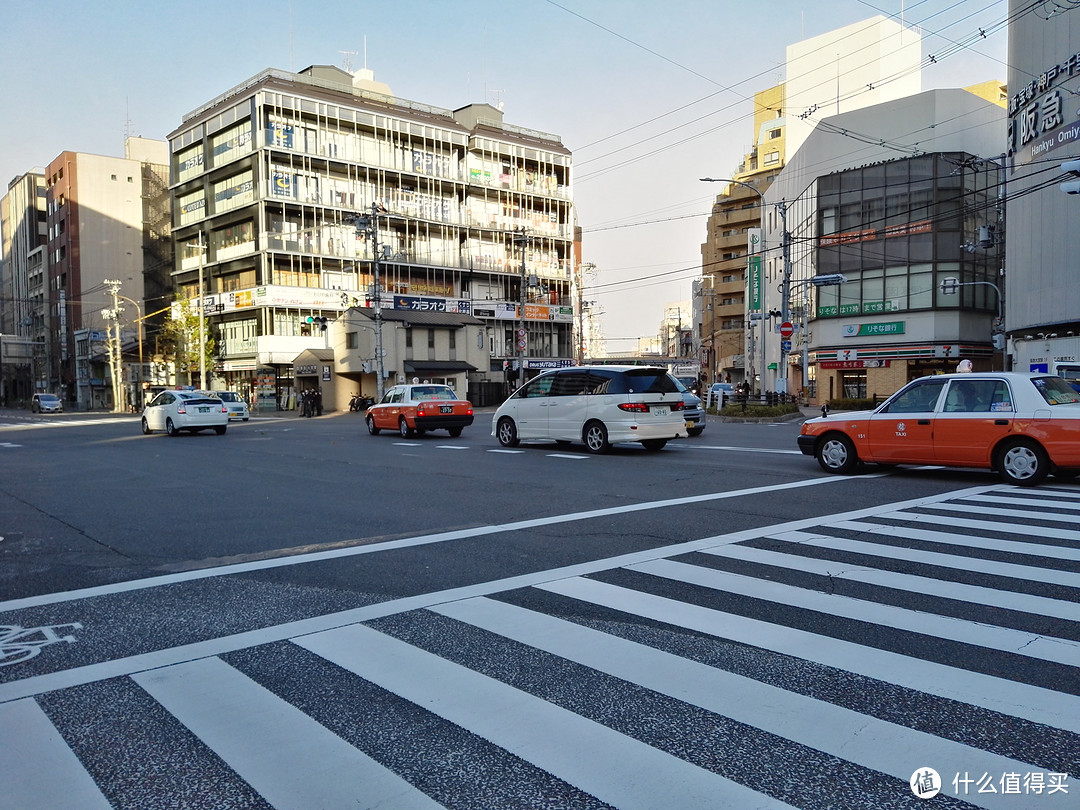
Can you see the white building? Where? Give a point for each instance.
(1042, 308)
(887, 196)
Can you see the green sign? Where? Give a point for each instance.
(873, 329)
(754, 275)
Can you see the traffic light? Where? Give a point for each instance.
(318, 321)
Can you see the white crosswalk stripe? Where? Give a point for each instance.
(922, 636)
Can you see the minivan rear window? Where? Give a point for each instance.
(642, 381)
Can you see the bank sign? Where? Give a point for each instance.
(754, 277)
(1042, 116)
(873, 329)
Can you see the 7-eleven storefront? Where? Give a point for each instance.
(878, 371)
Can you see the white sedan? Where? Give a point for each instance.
(174, 411)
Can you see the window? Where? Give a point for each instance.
(772, 158)
(774, 133)
(112, 177)
(919, 397)
(351, 340)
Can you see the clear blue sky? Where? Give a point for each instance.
(650, 96)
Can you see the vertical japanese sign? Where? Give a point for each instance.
(753, 276)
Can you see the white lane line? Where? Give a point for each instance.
(614, 768)
(289, 758)
(746, 449)
(1049, 505)
(1035, 703)
(40, 769)
(1004, 511)
(964, 540)
(942, 589)
(438, 537)
(89, 673)
(565, 455)
(1023, 529)
(451, 447)
(867, 741)
(991, 637)
(407, 444)
(505, 451)
(960, 562)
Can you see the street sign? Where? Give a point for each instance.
(785, 330)
(785, 345)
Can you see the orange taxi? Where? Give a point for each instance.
(412, 410)
(1024, 426)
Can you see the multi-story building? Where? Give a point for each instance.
(22, 312)
(472, 216)
(891, 200)
(856, 66)
(99, 230)
(1042, 309)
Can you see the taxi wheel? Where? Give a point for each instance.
(454, 432)
(146, 427)
(170, 428)
(1023, 463)
(836, 454)
(596, 438)
(404, 429)
(374, 431)
(506, 431)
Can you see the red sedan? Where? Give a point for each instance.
(412, 410)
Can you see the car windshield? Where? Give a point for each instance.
(229, 396)
(1056, 391)
(48, 398)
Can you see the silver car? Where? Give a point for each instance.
(238, 408)
(174, 411)
(46, 403)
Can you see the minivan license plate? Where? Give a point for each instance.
(205, 410)
(662, 411)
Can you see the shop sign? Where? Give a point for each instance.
(1037, 113)
(853, 363)
(754, 276)
(307, 370)
(873, 329)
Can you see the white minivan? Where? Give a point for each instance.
(597, 405)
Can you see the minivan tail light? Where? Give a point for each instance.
(678, 405)
(634, 407)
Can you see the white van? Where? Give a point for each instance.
(597, 405)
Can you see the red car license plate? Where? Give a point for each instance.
(446, 409)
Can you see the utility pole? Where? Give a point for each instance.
(522, 336)
(114, 344)
(581, 311)
(370, 224)
(785, 293)
(202, 317)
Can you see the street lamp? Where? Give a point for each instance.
(823, 280)
(950, 285)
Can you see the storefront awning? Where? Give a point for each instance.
(433, 366)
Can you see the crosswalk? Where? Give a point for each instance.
(864, 660)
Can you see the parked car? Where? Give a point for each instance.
(597, 405)
(693, 414)
(174, 411)
(1024, 426)
(412, 410)
(721, 394)
(238, 407)
(46, 403)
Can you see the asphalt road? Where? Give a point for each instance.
(454, 624)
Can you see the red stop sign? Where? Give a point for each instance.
(786, 329)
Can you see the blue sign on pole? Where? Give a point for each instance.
(785, 346)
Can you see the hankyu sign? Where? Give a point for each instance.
(1037, 113)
